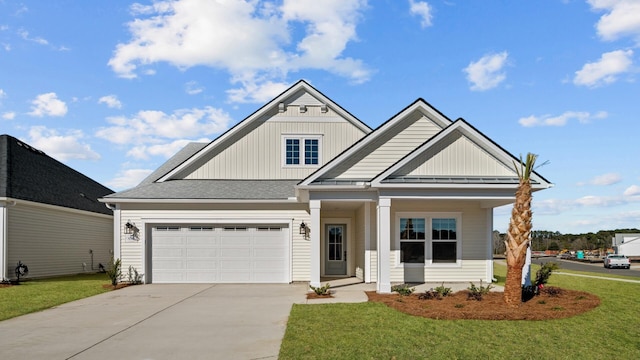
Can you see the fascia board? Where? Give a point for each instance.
(196, 201)
(418, 105)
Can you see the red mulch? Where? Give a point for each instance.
(492, 307)
(312, 295)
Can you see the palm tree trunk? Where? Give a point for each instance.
(518, 235)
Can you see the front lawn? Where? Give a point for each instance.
(36, 295)
(375, 331)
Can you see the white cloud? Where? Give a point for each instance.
(256, 92)
(149, 128)
(583, 117)
(48, 105)
(167, 150)
(606, 179)
(255, 41)
(111, 101)
(193, 88)
(38, 40)
(605, 70)
(61, 146)
(423, 10)
(2, 94)
(487, 73)
(633, 190)
(128, 178)
(10, 115)
(622, 18)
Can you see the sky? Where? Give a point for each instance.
(115, 88)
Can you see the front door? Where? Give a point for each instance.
(336, 249)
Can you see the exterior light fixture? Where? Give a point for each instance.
(304, 230)
(132, 230)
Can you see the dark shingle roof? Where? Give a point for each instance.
(29, 174)
(212, 189)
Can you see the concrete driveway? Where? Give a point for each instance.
(198, 321)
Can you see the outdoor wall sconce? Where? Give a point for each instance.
(132, 230)
(304, 230)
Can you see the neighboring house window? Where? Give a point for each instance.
(302, 150)
(431, 237)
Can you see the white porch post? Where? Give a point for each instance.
(384, 246)
(116, 232)
(367, 242)
(3, 240)
(314, 207)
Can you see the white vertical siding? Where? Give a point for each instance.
(408, 136)
(53, 240)
(457, 156)
(259, 154)
(359, 239)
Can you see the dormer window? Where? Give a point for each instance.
(302, 150)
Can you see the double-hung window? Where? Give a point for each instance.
(429, 238)
(302, 150)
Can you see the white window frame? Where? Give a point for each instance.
(301, 138)
(428, 242)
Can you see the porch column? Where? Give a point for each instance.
(384, 245)
(117, 237)
(4, 225)
(314, 207)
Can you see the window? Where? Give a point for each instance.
(428, 238)
(301, 150)
(412, 236)
(444, 242)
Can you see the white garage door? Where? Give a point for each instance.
(225, 254)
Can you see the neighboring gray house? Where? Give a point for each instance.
(50, 218)
(626, 244)
(301, 190)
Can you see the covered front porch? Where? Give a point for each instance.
(385, 240)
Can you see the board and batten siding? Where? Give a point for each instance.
(132, 252)
(53, 240)
(474, 242)
(393, 149)
(457, 155)
(259, 154)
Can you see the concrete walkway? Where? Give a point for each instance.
(200, 321)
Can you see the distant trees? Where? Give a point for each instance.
(542, 240)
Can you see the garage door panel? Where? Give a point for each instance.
(236, 254)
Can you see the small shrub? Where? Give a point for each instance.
(477, 292)
(557, 308)
(443, 291)
(552, 291)
(321, 290)
(580, 297)
(114, 272)
(543, 274)
(133, 277)
(403, 289)
(458, 306)
(541, 302)
(430, 295)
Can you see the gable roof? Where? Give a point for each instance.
(496, 163)
(29, 174)
(300, 90)
(373, 141)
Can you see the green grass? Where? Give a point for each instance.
(36, 295)
(374, 331)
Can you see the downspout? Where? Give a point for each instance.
(116, 229)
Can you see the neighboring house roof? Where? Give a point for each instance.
(29, 174)
(300, 92)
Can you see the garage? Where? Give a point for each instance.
(220, 254)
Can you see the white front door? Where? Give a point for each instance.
(336, 249)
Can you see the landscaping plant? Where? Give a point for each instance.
(321, 290)
(477, 292)
(114, 272)
(403, 289)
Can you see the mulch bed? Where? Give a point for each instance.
(492, 307)
(312, 295)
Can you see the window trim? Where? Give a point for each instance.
(301, 150)
(428, 242)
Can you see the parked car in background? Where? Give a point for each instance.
(617, 261)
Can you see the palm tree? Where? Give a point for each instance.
(518, 235)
